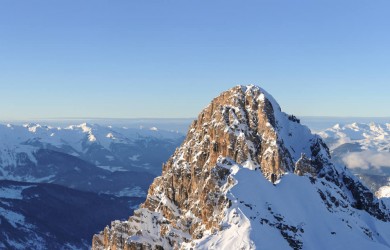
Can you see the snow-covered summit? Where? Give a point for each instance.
(262, 132)
(249, 176)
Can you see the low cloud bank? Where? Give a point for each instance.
(367, 159)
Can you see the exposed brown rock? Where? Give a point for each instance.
(305, 166)
(187, 199)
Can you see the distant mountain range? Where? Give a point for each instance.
(88, 157)
(364, 149)
(60, 185)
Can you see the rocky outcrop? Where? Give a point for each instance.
(243, 126)
(305, 166)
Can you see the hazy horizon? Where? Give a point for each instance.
(315, 123)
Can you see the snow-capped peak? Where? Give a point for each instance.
(337, 126)
(85, 127)
(32, 127)
(250, 176)
(153, 129)
(110, 135)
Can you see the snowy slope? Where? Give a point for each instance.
(249, 176)
(263, 214)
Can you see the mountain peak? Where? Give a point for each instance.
(245, 123)
(245, 173)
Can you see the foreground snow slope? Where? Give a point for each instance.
(292, 214)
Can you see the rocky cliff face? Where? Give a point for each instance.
(242, 132)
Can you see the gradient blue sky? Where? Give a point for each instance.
(161, 58)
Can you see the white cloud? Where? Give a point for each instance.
(367, 159)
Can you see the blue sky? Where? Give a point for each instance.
(131, 59)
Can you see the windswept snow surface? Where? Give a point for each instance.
(262, 212)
